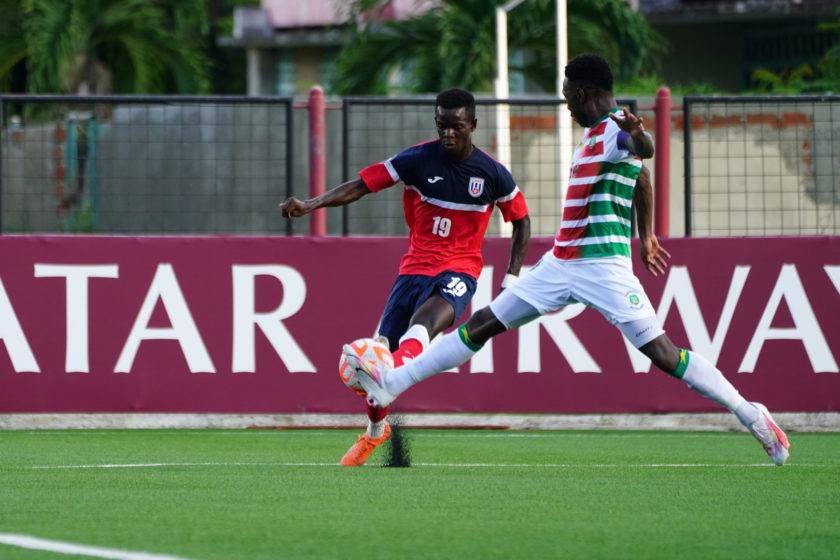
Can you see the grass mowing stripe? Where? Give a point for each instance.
(441, 465)
(429, 431)
(61, 547)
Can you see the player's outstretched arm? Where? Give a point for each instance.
(652, 254)
(519, 244)
(640, 142)
(344, 193)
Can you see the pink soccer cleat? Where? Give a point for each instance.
(771, 436)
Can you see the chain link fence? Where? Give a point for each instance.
(144, 164)
(194, 165)
(762, 166)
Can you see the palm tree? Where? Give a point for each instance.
(12, 43)
(101, 46)
(454, 45)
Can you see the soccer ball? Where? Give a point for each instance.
(366, 349)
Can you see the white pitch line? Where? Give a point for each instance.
(518, 435)
(495, 434)
(61, 547)
(158, 465)
(591, 465)
(433, 465)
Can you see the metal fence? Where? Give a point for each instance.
(193, 165)
(172, 164)
(144, 164)
(376, 128)
(762, 165)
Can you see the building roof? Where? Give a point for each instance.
(291, 14)
(663, 11)
(296, 23)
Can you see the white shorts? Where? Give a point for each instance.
(607, 285)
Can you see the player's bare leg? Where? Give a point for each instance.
(703, 377)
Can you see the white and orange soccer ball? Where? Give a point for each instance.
(367, 349)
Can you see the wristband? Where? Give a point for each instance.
(509, 280)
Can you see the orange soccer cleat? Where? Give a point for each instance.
(364, 446)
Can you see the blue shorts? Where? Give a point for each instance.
(410, 291)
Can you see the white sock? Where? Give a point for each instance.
(747, 413)
(701, 376)
(450, 351)
(376, 429)
(417, 332)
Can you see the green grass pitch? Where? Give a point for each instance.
(213, 494)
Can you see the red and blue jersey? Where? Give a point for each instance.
(447, 205)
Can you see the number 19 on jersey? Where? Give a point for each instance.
(441, 226)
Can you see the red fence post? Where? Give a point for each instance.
(317, 158)
(662, 163)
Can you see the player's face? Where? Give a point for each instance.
(454, 128)
(576, 98)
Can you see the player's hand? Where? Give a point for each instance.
(293, 208)
(629, 123)
(654, 255)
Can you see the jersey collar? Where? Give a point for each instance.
(606, 115)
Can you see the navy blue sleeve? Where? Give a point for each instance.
(505, 185)
(408, 164)
(508, 197)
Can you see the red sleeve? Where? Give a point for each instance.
(513, 206)
(378, 176)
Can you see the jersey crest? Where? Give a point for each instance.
(476, 186)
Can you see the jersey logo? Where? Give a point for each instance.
(635, 300)
(433, 180)
(476, 186)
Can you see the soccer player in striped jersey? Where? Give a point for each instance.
(451, 188)
(590, 263)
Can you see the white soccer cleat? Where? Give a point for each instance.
(369, 375)
(771, 436)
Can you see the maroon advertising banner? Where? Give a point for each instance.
(255, 325)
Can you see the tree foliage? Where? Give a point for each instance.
(823, 78)
(454, 45)
(12, 42)
(104, 46)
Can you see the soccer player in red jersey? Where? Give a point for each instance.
(450, 189)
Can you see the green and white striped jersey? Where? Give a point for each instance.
(598, 206)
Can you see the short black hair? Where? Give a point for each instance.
(590, 70)
(456, 98)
